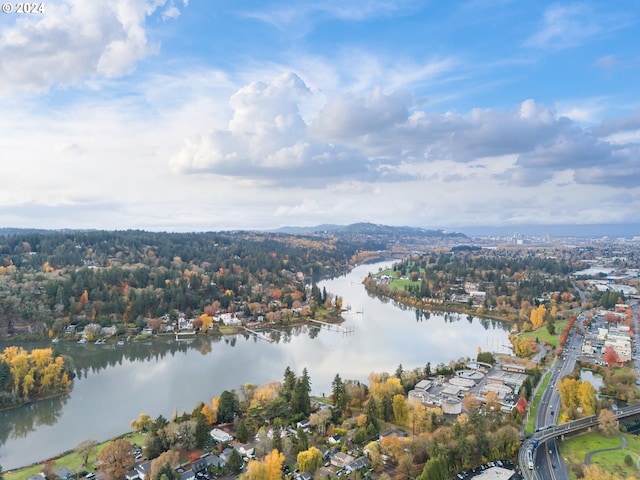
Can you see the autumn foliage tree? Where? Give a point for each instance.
(610, 356)
(116, 459)
(521, 406)
(170, 458)
(608, 422)
(38, 373)
(310, 460)
(575, 393)
(537, 316)
(142, 424)
(270, 468)
(521, 346)
(210, 412)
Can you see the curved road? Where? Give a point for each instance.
(587, 457)
(547, 461)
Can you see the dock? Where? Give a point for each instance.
(185, 335)
(333, 326)
(259, 335)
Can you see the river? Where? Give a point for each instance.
(117, 383)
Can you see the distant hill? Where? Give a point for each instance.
(371, 229)
(8, 232)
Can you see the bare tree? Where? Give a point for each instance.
(84, 449)
(608, 422)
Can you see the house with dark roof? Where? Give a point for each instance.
(358, 464)
(64, 473)
(187, 475)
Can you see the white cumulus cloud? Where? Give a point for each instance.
(75, 40)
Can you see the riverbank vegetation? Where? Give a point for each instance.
(127, 280)
(280, 423)
(28, 376)
(507, 283)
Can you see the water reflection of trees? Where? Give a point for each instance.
(452, 317)
(19, 422)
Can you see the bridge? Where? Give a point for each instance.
(560, 431)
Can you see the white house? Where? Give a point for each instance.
(220, 435)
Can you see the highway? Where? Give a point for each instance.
(546, 450)
(547, 463)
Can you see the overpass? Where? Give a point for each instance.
(560, 431)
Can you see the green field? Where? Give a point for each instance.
(397, 283)
(544, 336)
(574, 450)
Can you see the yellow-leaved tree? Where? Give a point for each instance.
(538, 316)
(270, 468)
(400, 409)
(380, 386)
(587, 398)
(568, 390)
(211, 411)
(310, 460)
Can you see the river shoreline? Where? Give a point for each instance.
(160, 376)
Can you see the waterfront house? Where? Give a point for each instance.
(64, 473)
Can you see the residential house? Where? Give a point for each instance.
(303, 424)
(109, 331)
(246, 450)
(226, 455)
(341, 460)
(393, 432)
(358, 464)
(187, 475)
(64, 473)
(204, 461)
(132, 475)
(221, 436)
(143, 469)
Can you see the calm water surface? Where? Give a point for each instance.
(116, 384)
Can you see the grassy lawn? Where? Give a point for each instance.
(575, 449)
(71, 460)
(397, 283)
(536, 400)
(543, 335)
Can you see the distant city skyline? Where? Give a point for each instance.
(170, 115)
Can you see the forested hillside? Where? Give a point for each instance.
(52, 279)
(107, 277)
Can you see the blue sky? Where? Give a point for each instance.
(216, 115)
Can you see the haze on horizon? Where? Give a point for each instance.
(195, 116)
